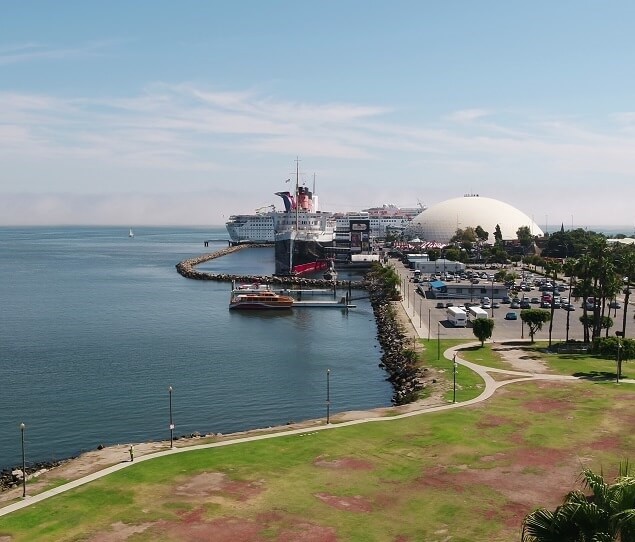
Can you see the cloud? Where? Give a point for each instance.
(467, 115)
(187, 138)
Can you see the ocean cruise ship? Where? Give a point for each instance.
(259, 227)
(302, 233)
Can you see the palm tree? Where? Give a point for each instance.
(605, 516)
(626, 258)
(555, 268)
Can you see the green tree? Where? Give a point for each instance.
(615, 348)
(498, 236)
(524, 237)
(608, 514)
(482, 329)
(534, 318)
(481, 234)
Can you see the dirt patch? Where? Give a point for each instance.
(347, 463)
(520, 358)
(352, 504)
(305, 532)
(492, 421)
(547, 405)
(521, 480)
(607, 444)
(120, 532)
(194, 528)
(209, 484)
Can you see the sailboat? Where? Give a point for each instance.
(130, 233)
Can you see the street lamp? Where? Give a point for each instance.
(454, 386)
(617, 369)
(328, 396)
(492, 301)
(22, 426)
(171, 422)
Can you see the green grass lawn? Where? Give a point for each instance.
(460, 475)
(468, 383)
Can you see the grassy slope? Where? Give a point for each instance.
(404, 459)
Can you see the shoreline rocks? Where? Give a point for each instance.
(399, 361)
(12, 477)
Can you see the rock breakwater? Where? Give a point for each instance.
(187, 269)
(399, 361)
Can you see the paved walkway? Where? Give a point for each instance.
(491, 385)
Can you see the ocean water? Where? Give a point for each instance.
(95, 326)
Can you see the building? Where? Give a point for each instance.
(440, 222)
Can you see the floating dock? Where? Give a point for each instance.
(324, 304)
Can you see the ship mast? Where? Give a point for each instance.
(294, 231)
(297, 191)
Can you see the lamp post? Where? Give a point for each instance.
(522, 328)
(420, 306)
(492, 301)
(328, 396)
(569, 303)
(617, 368)
(22, 426)
(171, 422)
(438, 340)
(454, 385)
(429, 321)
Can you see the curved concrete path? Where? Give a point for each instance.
(491, 385)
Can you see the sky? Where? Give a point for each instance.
(184, 113)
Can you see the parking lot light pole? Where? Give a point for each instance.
(492, 300)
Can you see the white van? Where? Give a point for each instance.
(477, 312)
(456, 316)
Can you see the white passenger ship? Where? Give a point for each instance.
(260, 227)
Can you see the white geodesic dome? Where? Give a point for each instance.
(440, 222)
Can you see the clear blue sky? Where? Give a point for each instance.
(156, 112)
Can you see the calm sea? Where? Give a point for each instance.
(95, 326)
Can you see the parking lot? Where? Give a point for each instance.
(430, 318)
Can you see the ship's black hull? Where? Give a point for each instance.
(308, 256)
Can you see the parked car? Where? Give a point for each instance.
(569, 307)
(615, 305)
(440, 305)
(506, 300)
(524, 304)
(449, 304)
(511, 316)
(514, 305)
(496, 305)
(534, 301)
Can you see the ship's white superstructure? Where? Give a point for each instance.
(260, 227)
